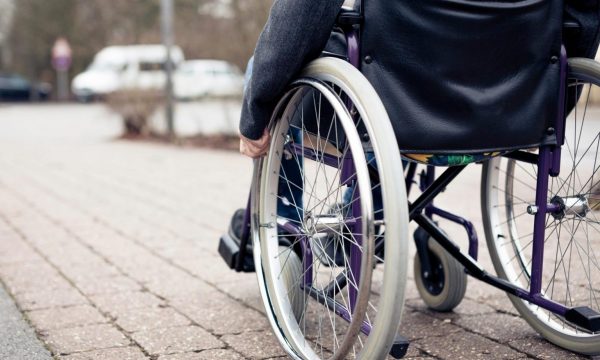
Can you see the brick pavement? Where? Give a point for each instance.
(109, 250)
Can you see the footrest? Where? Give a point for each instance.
(585, 317)
(400, 347)
(229, 249)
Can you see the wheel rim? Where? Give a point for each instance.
(571, 273)
(320, 185)
(388, 289)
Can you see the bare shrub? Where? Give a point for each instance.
(135, 107)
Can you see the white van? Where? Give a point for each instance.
(124, 67)
(199, 78)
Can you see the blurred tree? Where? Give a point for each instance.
(100, 23)
(6, 15)
(36, 25)
(222, 29)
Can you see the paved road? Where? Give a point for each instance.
(109, 248)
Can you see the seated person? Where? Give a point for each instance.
(296, 33)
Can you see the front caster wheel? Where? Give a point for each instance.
(444, 286)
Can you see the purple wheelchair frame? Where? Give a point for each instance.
(423, 209)
(548, 164)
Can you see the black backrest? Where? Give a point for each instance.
(462, 76)
(582, 30)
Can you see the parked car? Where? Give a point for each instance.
(14, 87)
(199, 78)
(121, 67)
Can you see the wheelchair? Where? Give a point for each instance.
(330, 206)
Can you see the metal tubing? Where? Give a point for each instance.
(553, 208)
(433, 229)
(355, 250)
(311, 154)
(469, 228)
(355, 253)
(307, 261)
(353, 48)
(561, 116)
(433, 190)
(307, 255)
(337, 284)
(429, 179)
(348, 172)
(539, 227)
(475, 270)
(524, 156)
(410, 175)
(336, 307)
(547, 304)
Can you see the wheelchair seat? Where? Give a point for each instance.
(451, 159)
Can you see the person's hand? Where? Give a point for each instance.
(255, 148)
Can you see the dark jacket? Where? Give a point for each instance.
(296, 33)
(455, 76)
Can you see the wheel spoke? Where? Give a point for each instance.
(312, 194)
(571, 269)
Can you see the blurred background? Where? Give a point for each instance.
(98, 54)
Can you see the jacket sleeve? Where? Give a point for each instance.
(296, 33)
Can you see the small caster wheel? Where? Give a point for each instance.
(444, 288)
(291, 271)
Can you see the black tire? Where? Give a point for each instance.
(446, 287)
(571, 274)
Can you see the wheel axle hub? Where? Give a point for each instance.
(573, 206)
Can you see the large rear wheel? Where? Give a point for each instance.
(330, 196)
(571, 273)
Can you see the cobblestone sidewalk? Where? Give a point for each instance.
(109, 250)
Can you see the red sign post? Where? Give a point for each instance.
(61, 61)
